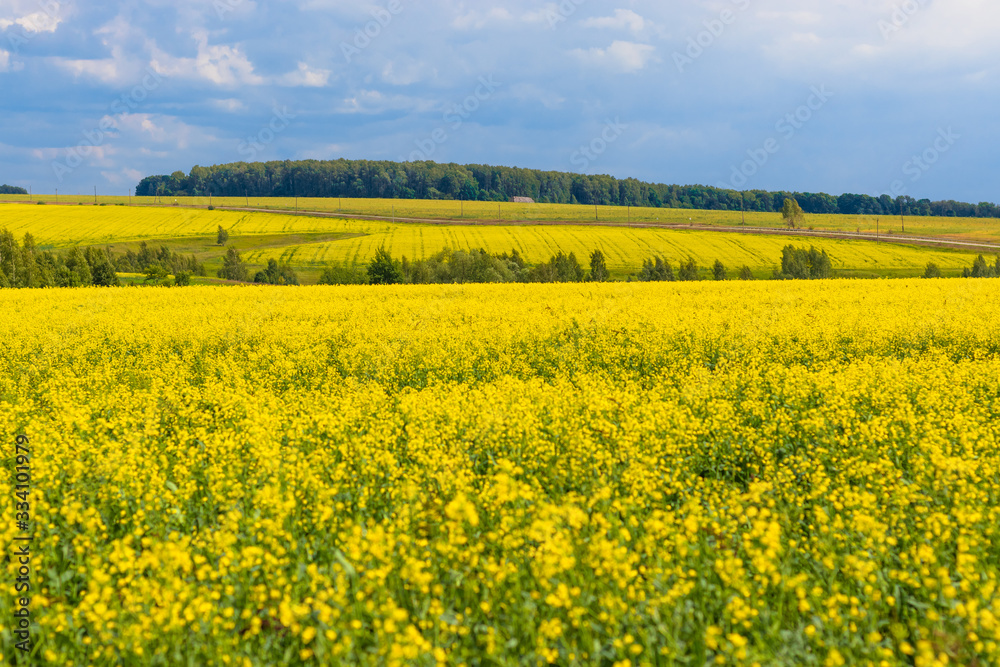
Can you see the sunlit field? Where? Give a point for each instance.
(311, 243)
(985, 230)
(669, 474)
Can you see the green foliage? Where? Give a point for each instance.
(561, 268)
(77, 264)
(383, 269)
(656, 269)
(982, 269)
(222, 237)
(746, 273)
(932, 270)
(157, 276)
(688, 270)
(719, 270)
(182, 278)
(598, 267)
(802, 264)
(233, 267)
(337, 274)
(430, 180)
(792, 212)
(12, 190)
(276, 274)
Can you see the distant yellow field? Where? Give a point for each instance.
(975, 229)
(625, 247)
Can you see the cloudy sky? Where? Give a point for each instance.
(867, 96)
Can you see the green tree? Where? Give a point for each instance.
(982, 269)
(77, 264)
(688, 270)
(11, 258)
(746, 273)
(932, 270)
(598, 267)
(792, 213)
(719, 270)
(276, 274)
(233, 267)
(222, 237)
(104, 275)
(157, 275)
(383, 269)
(182, 278)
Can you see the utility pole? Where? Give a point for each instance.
(902, 220)
(57, 195)
(130, 196)
(876, 230)
(630, 215)
(95, 195)
(29, 193)
(499, 213)
(743, 209)
(596, 218)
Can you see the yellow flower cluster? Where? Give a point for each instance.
(780, 473)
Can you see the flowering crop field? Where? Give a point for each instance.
(259, 237)
(664, 474)
(981, 230)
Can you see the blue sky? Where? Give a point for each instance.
(866, 96)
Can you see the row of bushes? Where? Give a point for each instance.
(478, 266)
(981, 268)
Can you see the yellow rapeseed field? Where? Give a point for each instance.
(663, 474)
(259, 238)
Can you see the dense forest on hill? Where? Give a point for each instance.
(431, 180)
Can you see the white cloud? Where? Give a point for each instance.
(405, 71)
(624, 19)
(123, 176)
(529, 92)
(306, 77)
(479, 20)
(622, 56)
(4, 61)
(222, 65)
(374, 102)
(32, 17)
(231, 105)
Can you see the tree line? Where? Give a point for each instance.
(23, 264)
(479, 266)
(12, 190)
(474, 182)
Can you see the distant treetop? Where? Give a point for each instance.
(475, 182)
